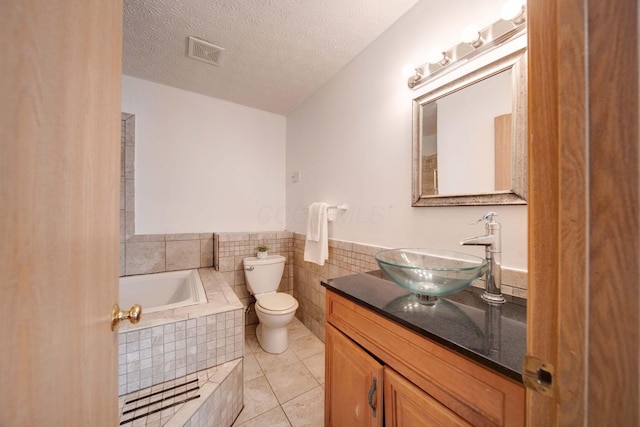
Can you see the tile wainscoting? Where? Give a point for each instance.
(157, 253)
(345, 258)
(300, 279)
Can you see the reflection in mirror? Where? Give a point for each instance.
(430, 149)
(460, 136)
(469, 138)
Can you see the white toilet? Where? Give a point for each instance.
(274, 309)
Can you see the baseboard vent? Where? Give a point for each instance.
(204, 51)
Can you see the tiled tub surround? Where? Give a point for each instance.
(230, 249)
(156, 253)
(172, 347)
(347, 258)
(127, 176)
(153, 253)
(170, 344)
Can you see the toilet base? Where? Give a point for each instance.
(272, 340)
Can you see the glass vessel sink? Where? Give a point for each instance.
(430, 273)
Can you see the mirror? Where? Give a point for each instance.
(469, 138)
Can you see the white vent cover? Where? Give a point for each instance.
(204, 51)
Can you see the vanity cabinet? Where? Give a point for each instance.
(355, 379)
(407, 405)
(418, 381)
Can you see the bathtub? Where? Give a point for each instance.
(162, 291)
(178, 337)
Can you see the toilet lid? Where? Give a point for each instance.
(277, 302)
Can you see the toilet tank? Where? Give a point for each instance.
(263, 275)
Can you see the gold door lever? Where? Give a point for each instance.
(117, 315)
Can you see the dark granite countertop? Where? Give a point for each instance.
(494, 336)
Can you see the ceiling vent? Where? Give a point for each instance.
(204, 51)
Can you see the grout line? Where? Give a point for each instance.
(299, 359)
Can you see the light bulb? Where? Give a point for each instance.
(437, 57)
(409, 70)
(512, 10)
(471, 35)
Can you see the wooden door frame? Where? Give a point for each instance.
(584, 210)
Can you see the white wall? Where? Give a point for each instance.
(203, 164)
(352, 142)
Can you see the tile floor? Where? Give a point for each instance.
(284, 390)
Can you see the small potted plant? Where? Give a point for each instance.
(262, 251)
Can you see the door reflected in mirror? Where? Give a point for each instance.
(469, 138)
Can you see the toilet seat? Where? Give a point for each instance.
(276, 302)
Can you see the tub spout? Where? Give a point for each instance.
(493, 253)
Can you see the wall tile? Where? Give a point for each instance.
(234, 237)
(238, 262)
(348, 246)
(263, 236)
(182, 254)
(129, 162)
(129, 225)
(238, 278)
(284, 235)
(144, 238)
(182, 251)
(144, 258)
(129, 189)
(226, 264)
(206, 250)
(130, 129)
(216, 252)
(184, 236)
(122, 259)
(122, 227)
(122, 193)
(122, 154)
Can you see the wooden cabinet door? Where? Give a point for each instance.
(405, 405)
(353, 383)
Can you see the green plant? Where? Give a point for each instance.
(262, 248)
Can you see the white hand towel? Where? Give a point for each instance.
(316, 248)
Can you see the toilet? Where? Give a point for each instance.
(274, 309)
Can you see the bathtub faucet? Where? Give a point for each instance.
(493, 251)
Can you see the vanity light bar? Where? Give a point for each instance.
(473, 45)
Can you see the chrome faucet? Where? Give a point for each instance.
(493, 250)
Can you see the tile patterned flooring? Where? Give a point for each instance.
(287, 389)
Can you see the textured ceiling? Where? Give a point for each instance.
(278, 52)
